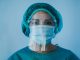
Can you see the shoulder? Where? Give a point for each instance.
(67, 53)
(63, 50)
(17, 55)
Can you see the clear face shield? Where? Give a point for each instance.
(41, 31)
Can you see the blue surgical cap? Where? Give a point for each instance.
(41, 7)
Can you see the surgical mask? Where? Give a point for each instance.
(42, 34)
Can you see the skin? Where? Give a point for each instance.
(42, 18)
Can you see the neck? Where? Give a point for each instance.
(41, 48)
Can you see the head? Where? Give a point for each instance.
(42, 27)
(41, 14)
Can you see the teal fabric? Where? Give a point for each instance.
(58, 54)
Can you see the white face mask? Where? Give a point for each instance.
(42, 34)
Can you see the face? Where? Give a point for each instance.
(46, 33)
(42, 18)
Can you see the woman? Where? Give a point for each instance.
(41, 23)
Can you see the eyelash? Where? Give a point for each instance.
(49, 23)
(36, 23)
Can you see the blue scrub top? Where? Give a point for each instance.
(58, 54)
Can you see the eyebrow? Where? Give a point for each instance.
(48, 19)
(35, 19)
(45, 19)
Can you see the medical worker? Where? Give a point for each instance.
(41, 23)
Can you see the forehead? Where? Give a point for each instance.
(41, 15)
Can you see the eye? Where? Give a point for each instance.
(34, 22)
(48, 22)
